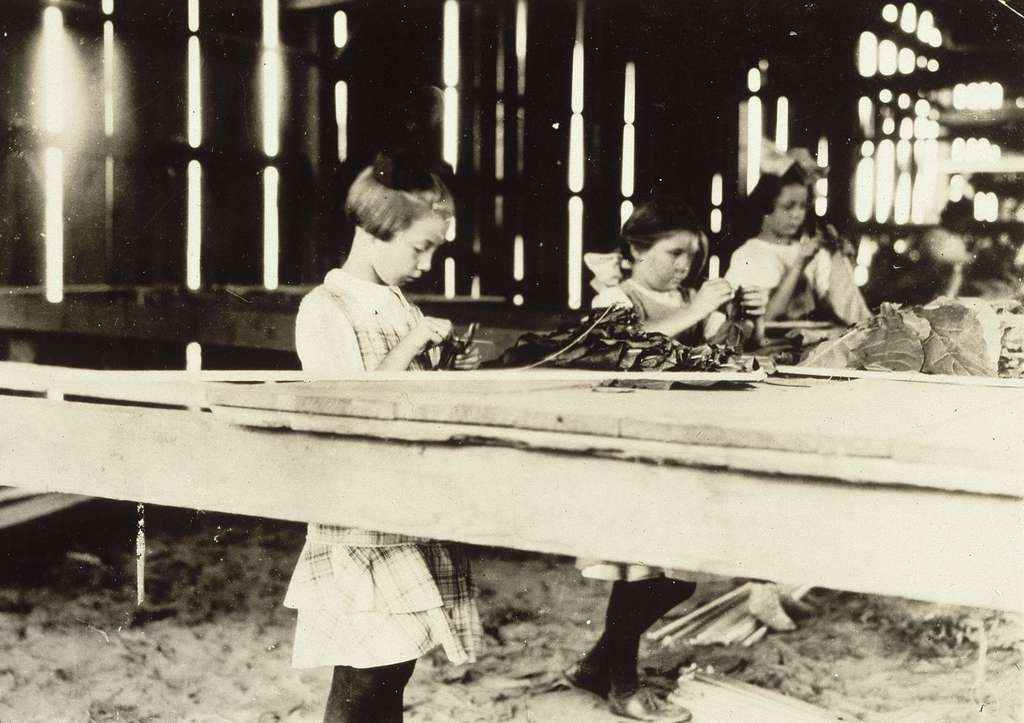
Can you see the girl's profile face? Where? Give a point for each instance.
(789, 213)
(407, 256)
(666, 264)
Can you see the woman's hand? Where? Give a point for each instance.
(809, 246)
(754, 300)
(467, 360)
(712, 295)
(429, 333)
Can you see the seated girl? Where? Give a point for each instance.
(804, 273)
(665, 251)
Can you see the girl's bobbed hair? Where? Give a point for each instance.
(399, 188)
(663, 215)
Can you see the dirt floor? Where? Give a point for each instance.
(213, 643)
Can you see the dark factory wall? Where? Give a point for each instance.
(125, 197)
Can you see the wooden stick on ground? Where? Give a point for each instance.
(675, 625)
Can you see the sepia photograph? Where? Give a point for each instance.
(520, 361)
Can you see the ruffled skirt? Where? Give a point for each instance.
(367, 599)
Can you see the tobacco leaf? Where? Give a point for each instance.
(891, 344)
(920, 326)
(614, 341)
(841, 353)
(957, 342)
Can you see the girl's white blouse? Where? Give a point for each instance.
(324, 338)
(761, 263)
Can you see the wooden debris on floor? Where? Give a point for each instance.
(743, 615)
(713, 699)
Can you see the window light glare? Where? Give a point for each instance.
(907, 60)
(625, 211)
(271, 37)
(864, 189)
(754, 133)
(193, 16)
(108, 78)
(577, 77)
(193, 242)
(450, 64)
(908, 18)
(888, 61)
(575, 252)
(271, 92)
(449, 278)
(519, 258)
(890, 13)
(270, 228)
(716, 189)
(341, 117)
(193, 357)
(53, 166)
(450, 136)
(629, 95)
(576, 153)
(628, 151)
(866, 116)
(108, 7)
(754, 80)
(716, 220)
(782, 123)
(885, 172)
(340, 29)
(195, 112)
(867, 54)
(53, 69)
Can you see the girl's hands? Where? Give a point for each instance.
(467, 360)
(712, 295)
(754, 300)
(809, 246)
(429, 333)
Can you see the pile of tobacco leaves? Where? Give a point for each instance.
(963, 337)
(613, 340)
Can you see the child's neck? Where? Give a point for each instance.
(773, 238)
(360, 259)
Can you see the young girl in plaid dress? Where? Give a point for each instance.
(370, 603)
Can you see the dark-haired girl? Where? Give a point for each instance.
(658, 268)
(666, 250)
(801, 275)
(370, 603)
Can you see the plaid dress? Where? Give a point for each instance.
(367, 598)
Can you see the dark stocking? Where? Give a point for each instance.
(632, 608)
(368, 695)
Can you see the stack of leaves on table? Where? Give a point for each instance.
(962, 337)
(614, 340)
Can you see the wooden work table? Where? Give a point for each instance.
(891, 487)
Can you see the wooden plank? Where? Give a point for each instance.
(948, 379)
(929, 544)
(864, 418)
(856, 470)
(35, 507)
